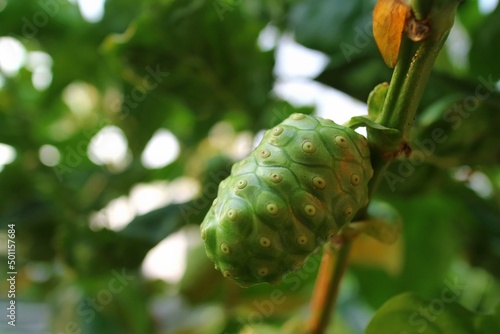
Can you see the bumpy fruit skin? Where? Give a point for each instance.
(307, 178)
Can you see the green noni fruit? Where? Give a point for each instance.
(307, 178)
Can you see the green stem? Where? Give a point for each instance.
(420, 8)
(330, 275)
(407, 85)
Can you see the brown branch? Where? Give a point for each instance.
(331, 271)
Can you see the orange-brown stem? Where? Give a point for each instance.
(331, 271)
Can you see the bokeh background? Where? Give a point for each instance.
(119, 118)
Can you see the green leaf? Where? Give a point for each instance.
(483, 230)
(156, 225)
(201, 62)
(379, 135)
(376, 285)
(434, 225)
(376, 99)
(114, 301)
(456, 130)
(490, 323)
(470, 17)
(408, 313)
(342, 30)
(334, 27)
(358, 121)
(483, 59)
(434, 112)
(357, 76)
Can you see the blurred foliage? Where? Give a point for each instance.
(187, 66)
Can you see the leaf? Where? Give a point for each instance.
(200, 278)
(434, 225)
(367, 252)
(203, 60)
(358, 121)
(329, 25)
(451, 133)
(490, 323)
(378, 135)
(376, 284)
(83, 249)
(483, 58)
(389, 18)
(408, 313)
(434, 112)
(471, 17)
(156, 225)
(260, 329)
(384, 223)
(356, 76)
(342, 30)
(483, 230)
(376, 99)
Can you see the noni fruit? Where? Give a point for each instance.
(307, 178)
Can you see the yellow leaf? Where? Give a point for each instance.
(369, 252)
(389, 17)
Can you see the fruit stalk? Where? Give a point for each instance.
(405, 91)
(330, 274)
